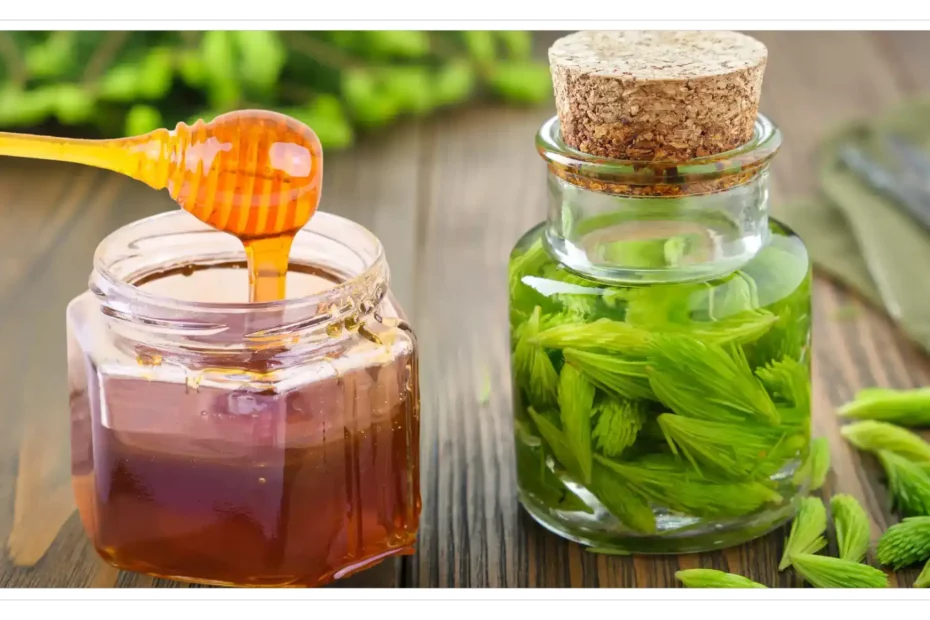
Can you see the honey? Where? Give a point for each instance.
(291, 464)
(254, 174)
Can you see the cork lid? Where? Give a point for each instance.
(657, 96)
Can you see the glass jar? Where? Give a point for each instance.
(223, 442)
(660, 333)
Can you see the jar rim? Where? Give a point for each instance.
(125, 244)
(746, 158)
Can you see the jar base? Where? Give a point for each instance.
(692, 540)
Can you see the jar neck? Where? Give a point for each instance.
(235, 333)
(643, 239)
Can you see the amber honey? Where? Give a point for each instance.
(259, 482)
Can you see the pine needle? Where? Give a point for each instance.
(825, 572)
(851, 523)
(623, 378)
(706, 381)
(710, 578)
(576, 404)
(872, 436)
(806, 536)
(909, 484)
(732, 449)
(923, 579)
(617, 424)
(903, 407)
(905, 543)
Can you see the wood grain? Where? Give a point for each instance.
(449, 197)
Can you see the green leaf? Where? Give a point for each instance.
(623, 378)
(668, 482)
(518, 43)
(537, 478)
(53, 58)
(806, 536)
(73, 104)
(826, 572)
(219, 56)
(902, 407)
(21, 107)
(576, 404)
(326, 116)
(853, 532)
(155, 74)
(453, 83)
(521, 81)
(706, 381)
(710, 578)
(262, 56)
(142, 119)
(533, 368)
(872, 436)
(617, 424)
(905, 543)
(398, 43)
(409, 86)
(192, 68)
(736, 450)
(480, 45)
(621, 500)
(120, 83)
(909, 484)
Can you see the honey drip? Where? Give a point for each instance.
(254, 174)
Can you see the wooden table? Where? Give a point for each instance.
(448, 197)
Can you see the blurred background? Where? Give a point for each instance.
(343, 84)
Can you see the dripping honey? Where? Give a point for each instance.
(251, 486)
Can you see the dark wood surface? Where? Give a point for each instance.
(448, 197)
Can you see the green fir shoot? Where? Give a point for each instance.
(576, 404)
(732, 449)
(788, 381)
(923, 579)
(817, 465)
(908, 483)
(623, 378)
(556, 441)
(667, 481)
(533, 367)
(905, 543)
(825, 572)
(621, 500)
(853, 530)
(707, 381)
(872, 436)
(710, 578)
(603, 334)
(903, 407)
(617, 424)
(806, 536)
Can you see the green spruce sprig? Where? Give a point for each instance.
(872, 436)
(905, 543)
(923, 579)
(909, 484)
(825, 572)
(851, 524)
(576, 401)
(617, 424)
(533, 367)
(903, 407)
(621, 377)
(710, 578)
(807, 529)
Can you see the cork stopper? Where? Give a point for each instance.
(657, 96)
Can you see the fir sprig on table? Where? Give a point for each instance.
(903, 407)
(905, 543)
(873, 436)
(826, 572)
(807, 529)
(107, 84)
(710, 578)
(908, 483)
(851, 524)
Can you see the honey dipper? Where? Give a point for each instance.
(254, 174)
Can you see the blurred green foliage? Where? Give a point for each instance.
(108, 84)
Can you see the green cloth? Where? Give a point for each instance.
(863, 238)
